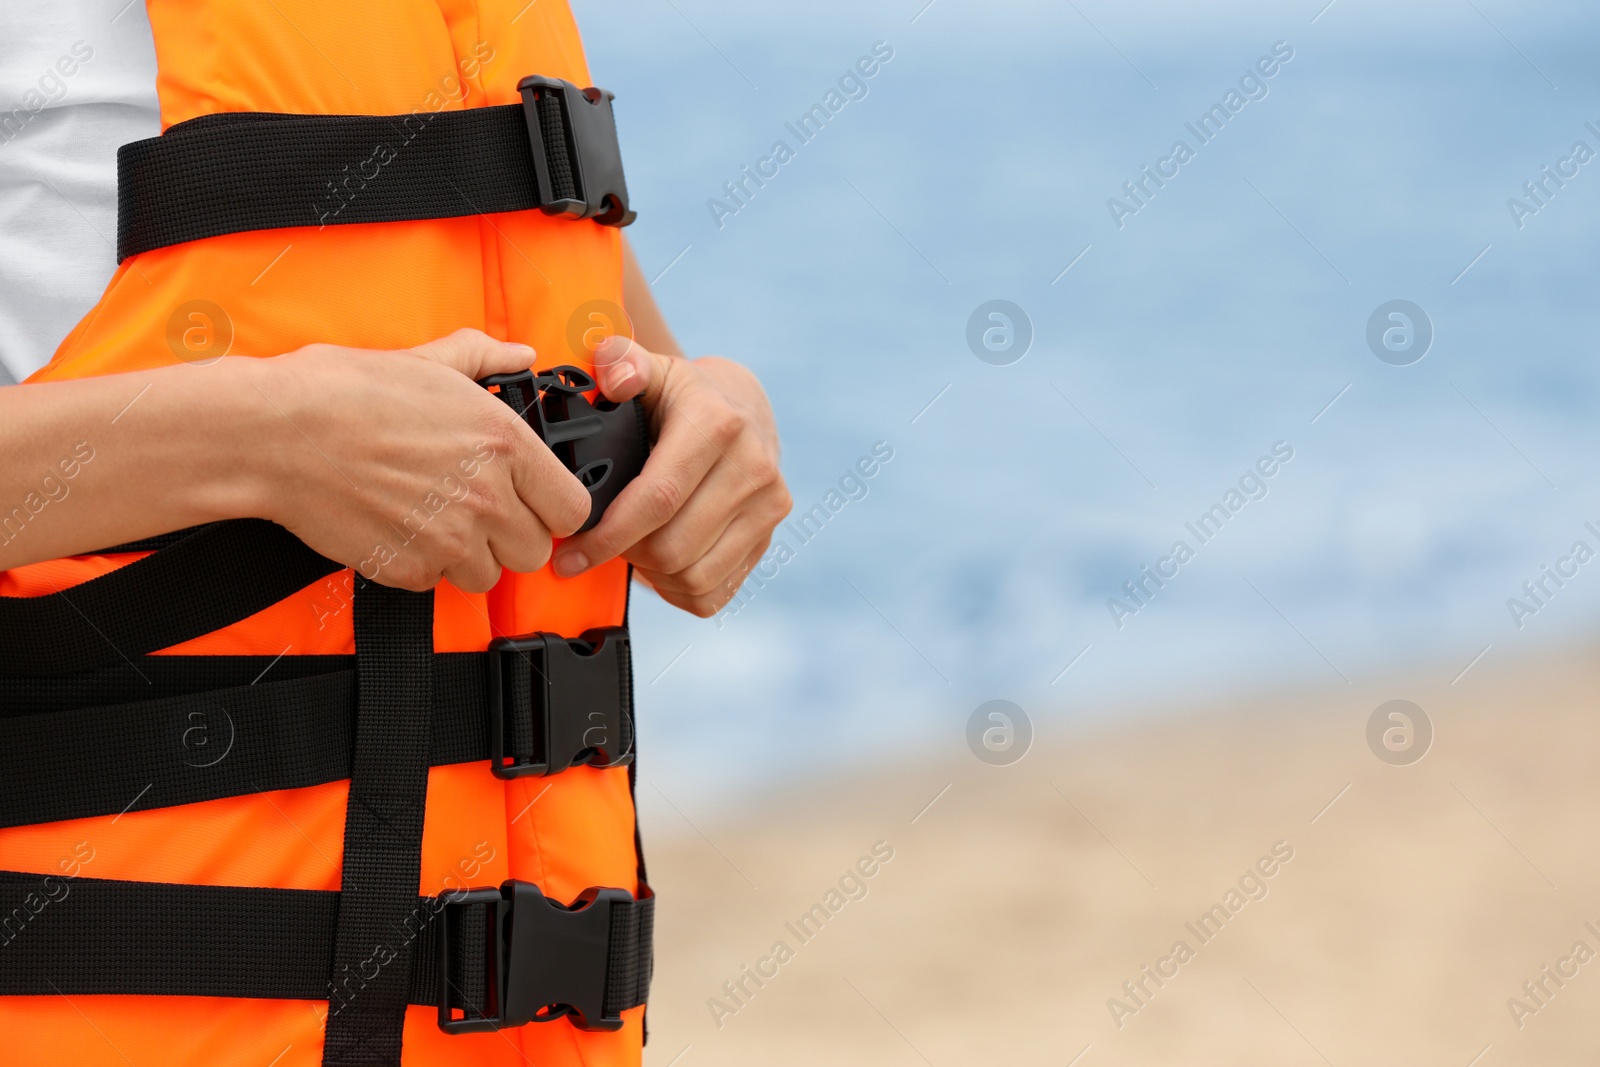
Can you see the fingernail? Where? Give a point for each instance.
(570, 563)
(621, 377)
(521, 349)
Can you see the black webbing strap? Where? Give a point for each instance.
(223, 726)
(631, 955)
(210, 579)
(154, 543)
(383, 825)
(155, 678)
(88, 937)
(233, 172)
(180, 750)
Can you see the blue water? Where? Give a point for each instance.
(1220, 319)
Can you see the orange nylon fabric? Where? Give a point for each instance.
(516, 276)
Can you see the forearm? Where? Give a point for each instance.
(99, 461)
(649, 325)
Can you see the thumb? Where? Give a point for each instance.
(476, 354)
(626, 369)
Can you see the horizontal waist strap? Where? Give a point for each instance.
(485, 958)
(543, 703)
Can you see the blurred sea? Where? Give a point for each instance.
(1220, 319)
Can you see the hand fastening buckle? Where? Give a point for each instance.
(576, 158)
(580, 703)
(543, 961)
(603, 443)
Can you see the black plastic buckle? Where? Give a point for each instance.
(581, 702)
(543, 961)
(593, 157)
(604, 444)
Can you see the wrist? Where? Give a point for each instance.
(238, 464)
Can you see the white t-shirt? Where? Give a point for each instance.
(77, 81)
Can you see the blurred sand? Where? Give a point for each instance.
(1414, 907)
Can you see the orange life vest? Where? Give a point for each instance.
(518, 276)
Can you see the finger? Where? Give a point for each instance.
(626, 369)
(543, 483)
(417, 576)
(478, 573)
(697, 526)
(708, 604)
(476, 354)
(719, 565)
(518, 540)
(676, 467)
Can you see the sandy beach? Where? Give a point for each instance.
(1330, 907)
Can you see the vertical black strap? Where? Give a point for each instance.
(372, 955)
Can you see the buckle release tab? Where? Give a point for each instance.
(604, 444)
(581, 707)
(545, 961)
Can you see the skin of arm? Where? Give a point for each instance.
(649, 325)
(339, 445)
(701, 513)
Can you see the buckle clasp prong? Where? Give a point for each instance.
(580, 704)
(544, 961)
